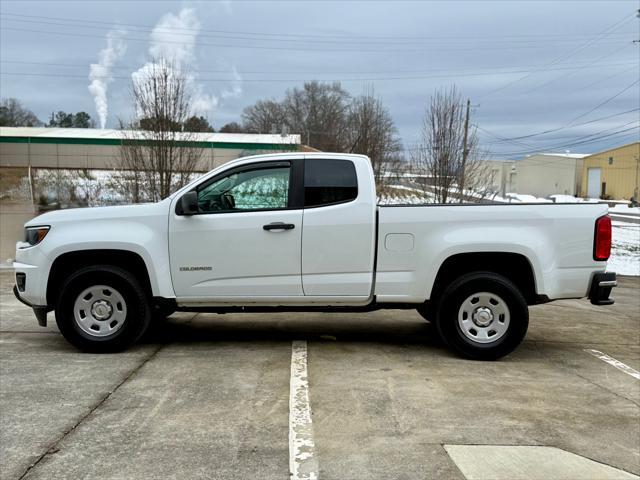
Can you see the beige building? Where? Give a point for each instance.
(545, 174)
(612, 173)
(501, 175)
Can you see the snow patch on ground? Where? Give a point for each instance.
(621, 208)
(625, 249)
(402, 195)
(571, 199)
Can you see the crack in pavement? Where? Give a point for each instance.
(53, 447)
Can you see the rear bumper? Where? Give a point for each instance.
(601, 285)
(39, 310)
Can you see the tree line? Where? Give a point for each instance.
(14, 114)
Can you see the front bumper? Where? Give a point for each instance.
(601, 285)
(39, 310)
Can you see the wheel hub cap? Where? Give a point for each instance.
(482, 316)
(101, 310)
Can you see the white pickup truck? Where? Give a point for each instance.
(301, 232)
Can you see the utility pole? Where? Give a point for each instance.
(465, 150)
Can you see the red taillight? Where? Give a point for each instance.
(602, 242)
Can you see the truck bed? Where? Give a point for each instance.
(556, 239)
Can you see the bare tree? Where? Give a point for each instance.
(372, 132)
(329, 119)
(319, 111)
(266, 116)
(158, 158)
(14, 114)
(447, 155)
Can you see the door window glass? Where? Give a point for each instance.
(259, 189)
(329, 181)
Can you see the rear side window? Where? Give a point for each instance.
(329, 181)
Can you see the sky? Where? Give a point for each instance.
(541, 75)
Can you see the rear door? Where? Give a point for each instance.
(338, 237)
(246, 239)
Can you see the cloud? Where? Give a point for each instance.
(100, 74)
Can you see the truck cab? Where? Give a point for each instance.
(276, 231)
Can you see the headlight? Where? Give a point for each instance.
(34, 235)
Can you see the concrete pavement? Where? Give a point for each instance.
(207, 396)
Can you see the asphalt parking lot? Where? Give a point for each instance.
(208, 396)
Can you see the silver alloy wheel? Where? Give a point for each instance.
(100, 310)
(484, 317)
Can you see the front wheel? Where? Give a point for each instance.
(102, 309)
(482, 316)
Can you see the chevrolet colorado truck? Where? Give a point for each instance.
(303, 232)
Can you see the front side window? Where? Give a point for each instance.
(328, 182)
(257, 189)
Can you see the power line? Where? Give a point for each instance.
(460, 72)
(617, 130)
(266, 47)
(580, 141)
(281, 80)
(552, 130)
(577, 141)
(607, 55)
(606, 101)
(285, 37)
(569, 124)
(564, 56)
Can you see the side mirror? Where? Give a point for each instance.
(189, 202)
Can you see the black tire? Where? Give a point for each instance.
(136, 302)
(456, 301)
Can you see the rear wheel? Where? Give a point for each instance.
(482, 315)
(102, 309)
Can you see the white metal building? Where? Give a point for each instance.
(545, 174)
(88, 148)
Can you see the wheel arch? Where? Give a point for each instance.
(514, 266)
(71, 261)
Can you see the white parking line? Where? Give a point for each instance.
(616, 363)
(302, 460)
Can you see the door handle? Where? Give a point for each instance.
(278, 226)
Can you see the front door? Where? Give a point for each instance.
(245, 240)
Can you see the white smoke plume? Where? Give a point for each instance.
(100, 74)
(174, 39)
(236, 86)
